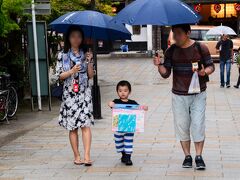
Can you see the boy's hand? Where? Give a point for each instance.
(145, 108)
(111, 104)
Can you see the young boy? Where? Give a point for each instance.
(238, 82)
(124, 140)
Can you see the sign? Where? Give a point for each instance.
(128, 120)
(237, 6)
(40, 9)
(217, 8)
(198, 8)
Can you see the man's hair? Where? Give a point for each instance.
(124, 83)
(185, 27)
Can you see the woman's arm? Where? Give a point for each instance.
(90, 70)
(89, 57)
(67, 74)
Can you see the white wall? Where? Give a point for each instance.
(138, 38)
(144, 36)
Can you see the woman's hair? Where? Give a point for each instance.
(185, 27)
(67, 44)
(124, 83)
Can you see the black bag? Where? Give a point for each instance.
(57, 91)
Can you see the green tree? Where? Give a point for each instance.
(11, 11)
(60, 7)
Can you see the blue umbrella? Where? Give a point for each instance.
(96, 25)
(157, 12)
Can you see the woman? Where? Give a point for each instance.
(75, 68)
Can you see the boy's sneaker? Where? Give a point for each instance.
(228, 86)
(221, 86)
(200, 165)
(123, 158)
(187, 163)
(128, 161)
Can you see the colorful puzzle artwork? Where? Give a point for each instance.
(128, 120)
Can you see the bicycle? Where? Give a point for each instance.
(8, 98)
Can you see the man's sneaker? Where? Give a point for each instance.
(221, 86)
(187, 163)
(236, 86)
(123, 158)
(200, 165)
(228, 86)
(128, 161)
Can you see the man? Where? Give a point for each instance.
(188, 109)
(225, 48)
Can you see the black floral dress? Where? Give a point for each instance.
(76, 108)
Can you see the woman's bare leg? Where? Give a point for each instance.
(73, 137)
(87, 139)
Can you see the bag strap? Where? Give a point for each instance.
(199, 48)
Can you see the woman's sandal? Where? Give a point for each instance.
(78, 162)
(88, 163)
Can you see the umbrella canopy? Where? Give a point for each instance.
(157, 12)
(220, 30)
(95, 25)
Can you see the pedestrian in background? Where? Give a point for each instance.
(75, 68)
(225, 48)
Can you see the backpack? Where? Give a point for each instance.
(198, 45)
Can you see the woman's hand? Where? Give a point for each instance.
(75, 69)
(89, 56)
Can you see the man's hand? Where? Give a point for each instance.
(202, 72)
(157, 60)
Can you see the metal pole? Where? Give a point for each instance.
(96, 89)
(36, 55)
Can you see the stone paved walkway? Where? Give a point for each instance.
(45, 153)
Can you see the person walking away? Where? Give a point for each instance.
(188, 109)
(225, 48)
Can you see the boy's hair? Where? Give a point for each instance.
(185, 27)
(124, 83)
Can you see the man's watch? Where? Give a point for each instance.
(161, 64)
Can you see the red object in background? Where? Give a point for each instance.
(237, 6)
(217, 8)
(198, 8)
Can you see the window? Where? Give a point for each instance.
(230, 11)
(136, 30)
(195, 35)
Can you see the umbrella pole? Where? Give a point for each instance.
(96, 95)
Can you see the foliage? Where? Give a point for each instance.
(11, 10)
(60, 7)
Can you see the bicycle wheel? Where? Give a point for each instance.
(3, 107)
(12, 102)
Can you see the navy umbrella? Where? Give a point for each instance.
(157, 12)
(96, 25)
